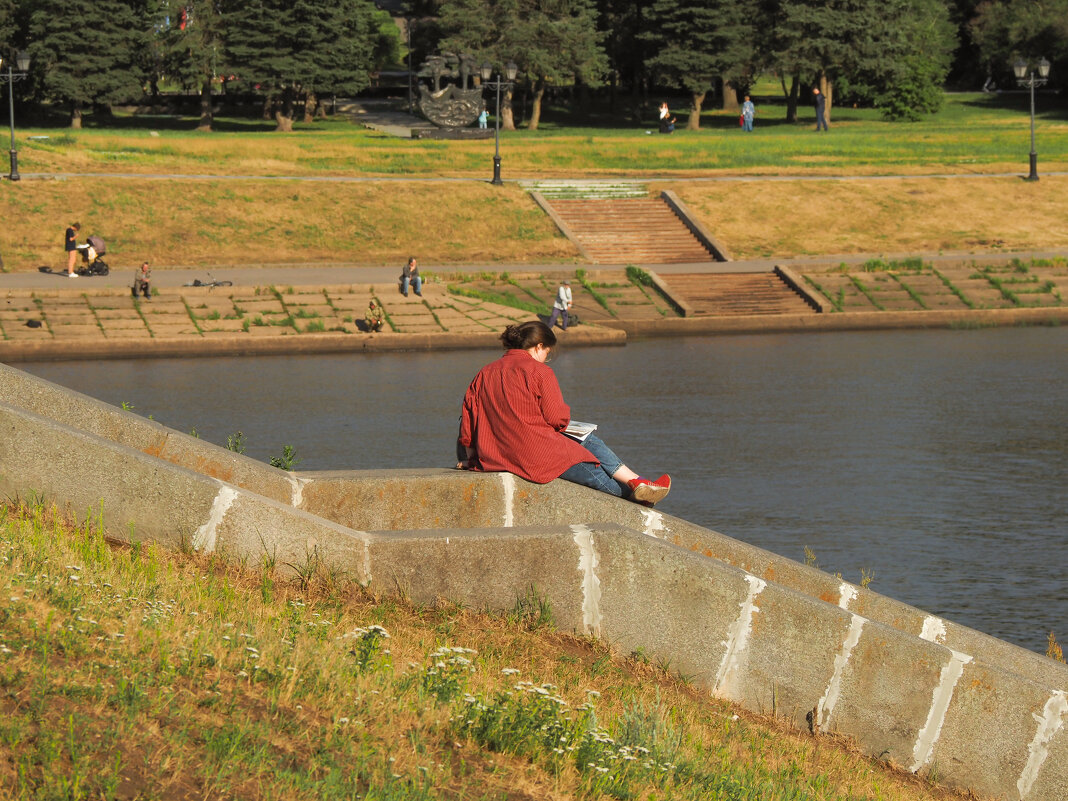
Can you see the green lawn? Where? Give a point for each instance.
(973, 132)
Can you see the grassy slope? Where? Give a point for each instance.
(254, 221)
(136, 673)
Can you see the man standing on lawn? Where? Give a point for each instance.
(821, 108)
(562, 304)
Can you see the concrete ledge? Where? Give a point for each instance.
(565, 229)
(798, 285)
(839, 321)
(763, 631)
(704, 236)
(244, 345)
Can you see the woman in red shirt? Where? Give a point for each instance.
(514, 415)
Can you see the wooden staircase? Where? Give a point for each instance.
(729, 294)
(629, 230)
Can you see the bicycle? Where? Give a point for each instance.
(210, 284)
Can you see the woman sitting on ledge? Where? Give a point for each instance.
(514, 415)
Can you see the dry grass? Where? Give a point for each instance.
(799, 218)
(205, 223)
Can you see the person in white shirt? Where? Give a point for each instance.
(562, 304)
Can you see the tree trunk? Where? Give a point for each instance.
(76, 115)
(535, 113)
(207, 114)
(311, 103)
(827, 87)
(283, 114)
(694, 123)
(507, 118)
(791, 95)
(730, 97)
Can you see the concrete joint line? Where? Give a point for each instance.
(204, 539)
(653, 523)
(825, 707)
(1049, 723)
(943, 694)
(508, 482)
(846, 594)
(934, 630)
(737, 642)
(591, 585)
(297, 496)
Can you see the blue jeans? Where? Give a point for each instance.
(417, 283)
(748, 124)
(558, 313)
(596, 476)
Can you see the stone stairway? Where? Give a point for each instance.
(729, 294)
(641, 230)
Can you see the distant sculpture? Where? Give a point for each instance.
(454, 105)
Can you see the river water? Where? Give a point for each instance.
(936, 460)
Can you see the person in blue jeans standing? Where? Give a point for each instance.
(821, 108)
(410, 276)
(748, 112)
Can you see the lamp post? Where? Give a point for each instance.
(510, 70)
(1025, 80)
(23, 62)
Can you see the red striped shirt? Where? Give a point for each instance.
(513, 414)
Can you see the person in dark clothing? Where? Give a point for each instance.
(70, 240)
(821, 108)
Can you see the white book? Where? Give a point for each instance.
(579, 431)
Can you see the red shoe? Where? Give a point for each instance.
(648, 492)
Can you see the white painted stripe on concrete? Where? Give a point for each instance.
(737, 642)
(654, 522)
(825, 707)
(934, 630)
(846, 593)
(591, 585)
(1049, 723)
(943, 694)
(508, 482)
(297, 496)
(367, 559)
(204, 539)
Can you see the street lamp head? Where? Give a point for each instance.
(487, 71)
(1043, 68)
(510, 70)
(23, 60)
(1020, 68)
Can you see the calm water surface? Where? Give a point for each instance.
(938, 460)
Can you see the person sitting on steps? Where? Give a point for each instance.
(142, 279)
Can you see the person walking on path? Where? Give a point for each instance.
(821, 108)
(142, 278)
(748, 112)
(70, 241)
(410, 276)
(562, 305)
(513, 420)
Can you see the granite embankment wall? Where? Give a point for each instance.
(771, 634)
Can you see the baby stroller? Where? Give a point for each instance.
(92, 250)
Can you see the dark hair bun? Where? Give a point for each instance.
(527, 335)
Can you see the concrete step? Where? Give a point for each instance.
(726, 294)
(625, 230)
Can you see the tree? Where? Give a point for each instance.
(1005, 30)
(551, 41)
(192, 40)
(8, 28)
(80, 64)
(920, 51)
(291, 50)
(697, 42)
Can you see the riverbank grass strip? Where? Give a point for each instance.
(131, 671)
